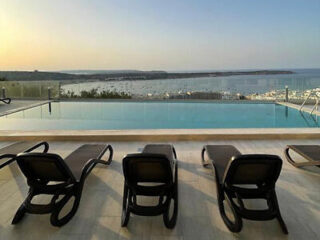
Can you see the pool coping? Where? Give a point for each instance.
(154, 135)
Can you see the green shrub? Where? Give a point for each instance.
(108, 94)
(93, 93)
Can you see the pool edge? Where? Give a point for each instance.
(161, 135)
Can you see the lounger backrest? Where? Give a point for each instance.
(44, 167)
(147, 167)
(253, 169)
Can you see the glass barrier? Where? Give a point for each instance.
(238, 87)
(30, 89)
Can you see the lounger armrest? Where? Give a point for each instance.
(108, 162)
(45, 144)
(11, 158)
(90, 164)
(109, 147)
(87, 168)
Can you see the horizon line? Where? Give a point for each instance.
(193, 70)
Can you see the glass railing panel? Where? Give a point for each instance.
(30, 89)
(266, 87)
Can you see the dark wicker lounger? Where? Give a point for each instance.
(244, 176)
(309, 152)
(5, 100)
(156, 164)
(49, 174)
(9, 153)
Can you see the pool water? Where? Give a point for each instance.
(156, 115)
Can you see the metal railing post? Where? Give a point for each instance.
(3, 92)
(287, 94)
(40, 91)
(49, 93)
(22, 90)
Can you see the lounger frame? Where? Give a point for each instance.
(166, 192)
(229, 193)
(310, 161)
(61, 191)
(11, 157)
(5, 100)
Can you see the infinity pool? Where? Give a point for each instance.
(156, 115)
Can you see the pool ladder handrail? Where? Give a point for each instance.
(315, 107)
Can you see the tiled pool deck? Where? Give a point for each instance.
(18, 105)
(99, 213)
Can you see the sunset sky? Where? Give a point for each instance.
(159, 35)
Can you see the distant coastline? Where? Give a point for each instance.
(126, 75)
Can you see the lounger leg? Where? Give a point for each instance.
(170, 223)
(282, 224)
(22, 209)
(108, 162)
(235, 226)
(300, 164)
(204, 163)
(54, 219)
(288, 157)
(125, 206)
(19, 214)
(279, 217)
(110, 154)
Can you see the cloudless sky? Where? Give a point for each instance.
(159, 35)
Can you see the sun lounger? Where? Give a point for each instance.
(156, 165)
(5, 100)
(9, 153)
(244, 176)
(309, 152)
(49, 174)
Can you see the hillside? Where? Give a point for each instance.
(123, 75)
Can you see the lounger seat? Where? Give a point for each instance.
(8, 153)
(309, 152)
(49, 174)
(5, 100)
(79, 157)
(244, 176)
(154, 173)
(221, 155)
